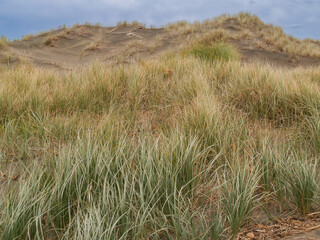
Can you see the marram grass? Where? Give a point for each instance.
(169, 148)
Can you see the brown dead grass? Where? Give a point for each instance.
(282, 228)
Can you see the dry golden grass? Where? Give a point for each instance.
(27, 37)
(93, 47)
(245, 26)
(3, 43)
(64, 33)
(157, 147)
(133, 23)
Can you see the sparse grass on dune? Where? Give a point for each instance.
(184, 146)
(274, 38)
(245, 26)
(133, 23)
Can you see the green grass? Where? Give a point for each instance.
(135, 189)
(239, 196)
(181, 147)
(302, 178)
(311, 130)
(216, 51)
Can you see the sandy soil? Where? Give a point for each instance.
(84, 44)
(69, 48)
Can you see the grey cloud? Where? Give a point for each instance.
(17, 17)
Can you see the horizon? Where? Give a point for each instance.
(19, 18)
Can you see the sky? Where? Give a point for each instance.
(299, 18)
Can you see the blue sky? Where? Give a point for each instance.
(20, 17)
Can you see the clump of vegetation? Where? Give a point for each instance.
(49, 41)
(239, 196)
(52, 37)
(93, 47)
(27, 37)
(215, 52)
(311, 129)
(133, 23)
(97, 24)
(4, 43)
(302, 178)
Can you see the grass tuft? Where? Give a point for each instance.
(215, 52)
(239, 196)
(302, 179)
(4, 43)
